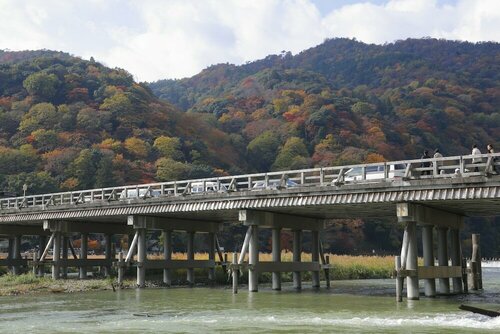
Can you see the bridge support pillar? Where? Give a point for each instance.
(256, 220)
(315, 257)
(413, 214)
(108, 253)
(83, 254)
(297, 250)
(141, 257)
(65, 245)
(412, 261)
(456, 258)
(276, 256)
(190, 257)
(16, 253)
(253, 260)
(211, 255)
(56, 255)
(167, 255)
(428, 252)
(42, 242)
(444, 283)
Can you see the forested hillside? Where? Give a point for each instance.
(66, 123)
(344, 101)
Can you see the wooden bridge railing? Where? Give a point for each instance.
(433, 168)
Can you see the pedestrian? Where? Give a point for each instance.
(425, 164)
(490, 150)
(438, 155)
(476, 160)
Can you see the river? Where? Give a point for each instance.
(363, 306)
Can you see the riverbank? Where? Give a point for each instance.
(28, 283)
(343, 267)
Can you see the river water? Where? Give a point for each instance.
(364, 306)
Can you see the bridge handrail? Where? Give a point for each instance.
(321, 176)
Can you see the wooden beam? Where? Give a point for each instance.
(173, 224)
(12, 229)
(280, 220)
(179, 264)
(271, 266)
(424, 215)
(439, 272)
(86, 227)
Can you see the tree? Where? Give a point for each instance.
(137, 147)
(84, 168)
(293, 155)
(104, 175)
(169, 147)
(42, 85)
(45, 140)
(41, 115)
(168, 169)
(262, 150)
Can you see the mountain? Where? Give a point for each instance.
(67, 123)
(349, 102)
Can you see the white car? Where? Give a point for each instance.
(274, 184)
(141, 193)
(209, 186)
(372, 173)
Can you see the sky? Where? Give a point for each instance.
(167, 39)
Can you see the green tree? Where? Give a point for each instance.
(37, 182)
(104, 175)
(293, 155)
(168, 169)
(42, 85)
(41, 115)
(169, 147)
(262, 150)
(84, 168)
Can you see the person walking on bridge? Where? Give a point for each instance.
(476, 160)
(438, 155)
(425, 163)
(490, 150)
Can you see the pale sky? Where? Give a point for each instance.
(162, 39)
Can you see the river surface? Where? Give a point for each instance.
(363, 306)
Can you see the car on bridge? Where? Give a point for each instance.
(139, 193)
(274, 184)
(377, 172)
(207, 187)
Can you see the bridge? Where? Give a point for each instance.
(434, 193)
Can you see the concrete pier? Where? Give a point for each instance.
(65, 246)
(83, 254)
(315, 257)
(16, 253)
(253, 260)
(211, 255)
(297, 251)
(42, 242)
(141, 257)
(456, 258)
(56, 255)
(276, 256)
(190, 257)
(444, 282)
(428, 252)
(412, 262)
(167, 255)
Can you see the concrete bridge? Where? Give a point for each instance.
(431, 193)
